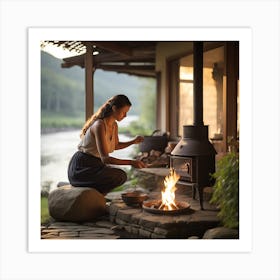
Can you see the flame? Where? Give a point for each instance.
(168, 194)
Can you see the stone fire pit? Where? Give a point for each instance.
(144, 224)
(154, 206)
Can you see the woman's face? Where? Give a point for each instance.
(120, 113)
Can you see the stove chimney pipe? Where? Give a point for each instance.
(194, 156)
(198, 83)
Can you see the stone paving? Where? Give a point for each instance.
(126, 222)
(100, 229)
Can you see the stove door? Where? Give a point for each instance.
(184, 166)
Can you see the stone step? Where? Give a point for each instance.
(137, 221)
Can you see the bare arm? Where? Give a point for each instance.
(121, 145)
(98, 129)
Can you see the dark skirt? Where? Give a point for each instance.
(85, 170)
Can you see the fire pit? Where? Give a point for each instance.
(154, 206)
(167, 204)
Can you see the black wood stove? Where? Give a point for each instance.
(193, 158)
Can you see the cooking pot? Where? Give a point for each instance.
(134, 198)
(154, 142)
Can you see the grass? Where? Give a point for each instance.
(58, 121)
(45, 216)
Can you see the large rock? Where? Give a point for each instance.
(221, 233)
(76, 204)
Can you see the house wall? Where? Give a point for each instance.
(172, 51)
(166, 51)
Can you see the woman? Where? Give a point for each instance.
(89, 166)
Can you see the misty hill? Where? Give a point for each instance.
(63, 89)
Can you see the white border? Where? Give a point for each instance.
(243, 35)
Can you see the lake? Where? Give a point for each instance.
(57, 149)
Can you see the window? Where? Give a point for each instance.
(213, 63)
(185, 93)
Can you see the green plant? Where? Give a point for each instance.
(45, 216)
(226, 189)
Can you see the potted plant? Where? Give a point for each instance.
(226, 189)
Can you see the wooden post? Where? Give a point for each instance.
(158, 99)
(173, 76)
(89, 101)
(230, 85)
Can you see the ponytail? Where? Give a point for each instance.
(106, 110)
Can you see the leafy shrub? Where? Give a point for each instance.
(226, 189)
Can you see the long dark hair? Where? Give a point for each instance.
(106, 110)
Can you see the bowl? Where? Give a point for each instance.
(134, 198)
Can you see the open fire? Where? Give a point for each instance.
(168, 194)
(167, 204)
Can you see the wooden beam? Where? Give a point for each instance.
(103, 58)
(127, 67)
(147, 74)
(76, 58)
(89, 105)
(72, 64)
(139, 73)
(114, 47)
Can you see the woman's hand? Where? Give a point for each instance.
(138, 164)
(138, 139)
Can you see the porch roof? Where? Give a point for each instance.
(133, 57)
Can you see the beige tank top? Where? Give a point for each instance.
(88, 142)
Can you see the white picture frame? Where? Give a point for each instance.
(25, 256)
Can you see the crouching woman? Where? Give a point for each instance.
(91, 166)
